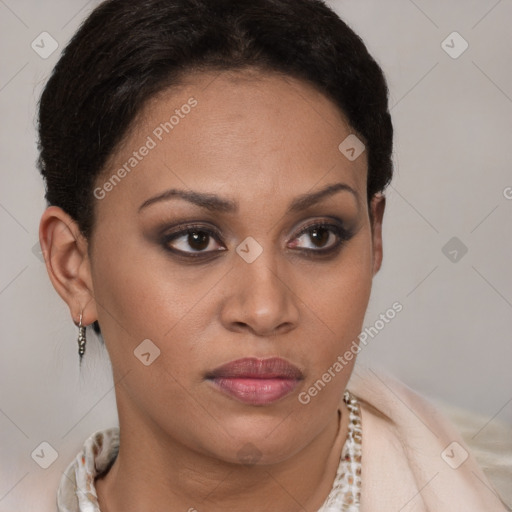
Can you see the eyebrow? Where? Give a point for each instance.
(215, 203)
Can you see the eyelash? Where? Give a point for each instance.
(343, 236)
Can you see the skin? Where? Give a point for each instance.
(261, 140)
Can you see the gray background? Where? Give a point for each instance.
(453, 148)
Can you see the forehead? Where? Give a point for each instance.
(239, 132)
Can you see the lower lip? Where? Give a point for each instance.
(256, 391)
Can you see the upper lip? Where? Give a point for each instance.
(255, 368)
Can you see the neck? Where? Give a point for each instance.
(146, 476)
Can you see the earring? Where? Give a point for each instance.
(81, 339)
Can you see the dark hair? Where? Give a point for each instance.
(127, 51)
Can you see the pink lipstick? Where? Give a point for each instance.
(256, 381)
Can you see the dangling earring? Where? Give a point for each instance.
(81, 339)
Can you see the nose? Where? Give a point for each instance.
(260, 299)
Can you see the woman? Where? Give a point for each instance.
(215, 174)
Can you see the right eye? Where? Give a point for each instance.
(192, 240)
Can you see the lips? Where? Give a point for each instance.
(256, 381)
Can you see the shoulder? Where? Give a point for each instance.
(413, 458)
(76, 489)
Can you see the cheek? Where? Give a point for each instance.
(338, 306)
(141, 294)
(136, 298)
(340, 292)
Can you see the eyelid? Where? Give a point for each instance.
(327, 221)
(324, 223)
(183, 228)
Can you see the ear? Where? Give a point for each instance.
(377, 206)
(67, 262)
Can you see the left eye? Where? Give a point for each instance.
(320, 236)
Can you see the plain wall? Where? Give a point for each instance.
(453, 148)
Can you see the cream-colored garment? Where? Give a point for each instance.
(414, 459)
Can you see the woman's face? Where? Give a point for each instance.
(248, 157)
